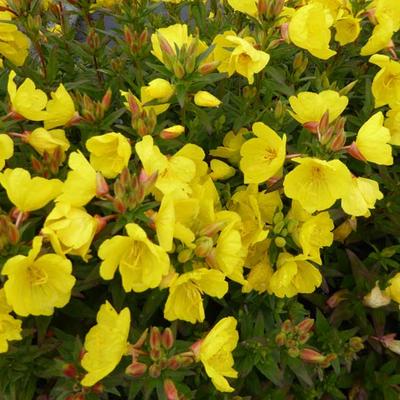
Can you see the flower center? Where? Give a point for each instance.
(37, 275)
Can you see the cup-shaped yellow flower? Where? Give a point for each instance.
(393, 289)
(386, 83)
(10, 327)
(142, 264)
(174, 36)
(70, 230)
(206, 99)
(259, 277)
(314, 234)
(237, 54)
(43, 140)
(248, 7)
(263, 156)
(36, 285)
(215, 353)
(310, 107)
(26, 193)
(109, 153)
(159, 91)
(347, 29)
(361, 197)
(221, 170)
(105, 343)
(380, 38)
(392, 122)
(294, 275)
(373, 141)
(80, 186)
(6, 149)
(27, 101)
(309, 29)
(60, 109)
(316, 184)
(232, 144)
(185, 294)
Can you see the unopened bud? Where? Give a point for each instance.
(311, 356)
(170, 390)
(98, 388)
(337, 298)
(140, 342)
(293, 352)
(280, 242)
(287, 326)
(155, 338)
(155, 370)
(101, 185)
(376, 298)
(155, 354)
(167, 339)
(311, 126)
(70, 370)
(338, 141)
(356, 344)
(185, 255)
(203, 246)
(106, 100)
(355, 152)
(280, 339)
(164, 45)
(208, 67)
(136, 369)
(178, 69)
(211, 229)
(305, 326)
(172, 132)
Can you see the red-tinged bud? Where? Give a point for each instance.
(147, 181)
(305, 326)
(280, 339)
(337, 298)
(324, 122)
(143, 37)
(155, 354)
(173, 363)
(155, 370)
(178, 69)
(82, 353)
(278, 7)
(204, 246)
(211, 229)
(15, 116)
(303, 338)
(328, 360)
(13, 233)
(170, 390)
(75, 120)
(287, 326)
(98, 388)
(142, 128)
(284, 30)
(355, 152)
(36, 165)
(106, 100)
(338, 141)
(167, 339)
(208, 67)
(69, 370)
(119, 206)
(172, 132)
(294, 352)
(312, 126)
(211, 259)
(164, 45)
(136, 369)
(93, 40)
(195, 347)
(311, 356)
(261, 7)
(134, 105)
(155, 338)
(101, 185)
(128, 36)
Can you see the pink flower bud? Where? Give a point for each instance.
(155, 370)
(167, 339)
(355, 152)
(170, 390)
(305, 326)
(101, 185)
(136, 369)
(311, 126)
(311, 356)
(155, 338)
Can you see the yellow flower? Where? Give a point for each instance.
(259, 277)
(237, 54)
(231, 146)
(80, 186)
(393, 289)
(317, 184)
(172, 132)
(262, 157)
(294, 275)
(26, 100)
(347, 29)
(221, 170)
(60, 108)
(14, 45)
(315, 233)
(10, 328)
(141, 263)
(70, 230)
(160, 90)
(105, 343)
(248, 7)
(380, 38)
(43, 140)
(26, 193)
(388, 8)
(361, 197)
(373, 141)
(386, 83)
(215, 353)
(392, 122)
(46, 282)
(310, 107)
(309, 29)
(175, 36)
(184, 300)
(109, 153)
(206, 99)
(6, 149)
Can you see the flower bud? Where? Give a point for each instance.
(356, 344)
(337, 298)
(207, 68)
(293, 352)
(98, 388)
(280, 242)
(106, 100)
(203, 246)
(101, 185)
(155, 370)
(69, 370)
(376, 298)
(305, 326)
(280, 339)
(311, 126)
(311, 356)
(355, 152)
(206, 99)
(140, 342)
(167, 339)
(136, 369)
(173, 363)
(287, 326)
(170, 390)
(155, 338)
(155, 354)
(173, 132)
(185, 255)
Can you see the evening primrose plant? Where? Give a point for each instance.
(199, 199)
